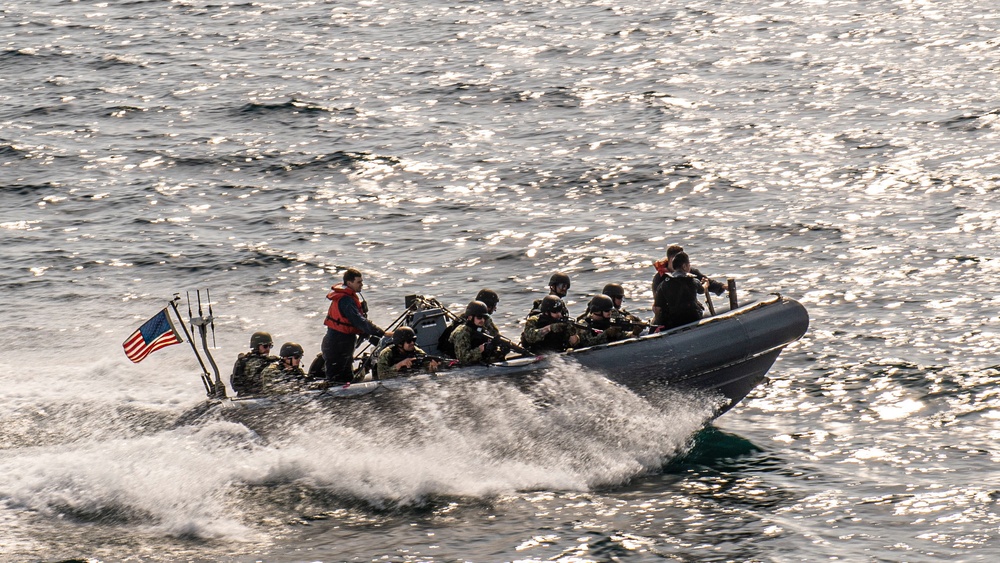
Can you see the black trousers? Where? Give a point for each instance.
(338, 353)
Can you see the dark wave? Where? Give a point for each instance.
(108, 62)
(47, 110)
(10, 152)
(970, 121)
(276, 164)
(337, 159)
(123, 111)
(292, 106)
(11, 58)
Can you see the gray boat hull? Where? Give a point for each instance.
(727, 355)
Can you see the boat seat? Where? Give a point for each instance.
(429, 325)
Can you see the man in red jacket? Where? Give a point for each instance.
(346, 319)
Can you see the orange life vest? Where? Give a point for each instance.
(334, 319)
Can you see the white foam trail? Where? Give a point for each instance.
(571, 430)
(170, 481)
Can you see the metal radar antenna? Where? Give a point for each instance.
(216, 389)
(211, 318)
(209, 386)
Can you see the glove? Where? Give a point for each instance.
(557, 327)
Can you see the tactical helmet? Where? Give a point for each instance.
(559, 278)
(259, 338)
(402, 335)
(291, 349)
(601, 304)
(614, 290)
(489, 297)
(550, 303)
(476, 309)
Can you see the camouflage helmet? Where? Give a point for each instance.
(601, 304)
(550, 303)
(489, 297)
(614, 290)
(476, 309)
(559, 278)
(291, 350)
(402, 335)
(259, 338)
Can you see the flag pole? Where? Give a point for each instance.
(209, 388)
(202, 323)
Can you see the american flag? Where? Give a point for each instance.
(156, 333)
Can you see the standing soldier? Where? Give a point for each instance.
(676, 301)
(345, 321)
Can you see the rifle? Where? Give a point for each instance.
(495, 343)
(504, 344)
(420, 360)
(492, 342)
(361, 353)
(577, 324)
(627, 325)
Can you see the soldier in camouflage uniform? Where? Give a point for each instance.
(546, 331)
(598, 323)
(558, 286)
(246, 378)
(398, 359)
(286, 375)
(473, 344)
(619, 315)
(489, 298)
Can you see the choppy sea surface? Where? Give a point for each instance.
(840, 153)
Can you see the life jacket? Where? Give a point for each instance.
(661, 267)
(334, 319)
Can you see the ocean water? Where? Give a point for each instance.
(840, 153)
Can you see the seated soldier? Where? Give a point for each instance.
(599, 322)
(403, 357)
(472, 343)
(317, 369)
(621, 317)
(559, 287)
(546, 331)
(246, 377)
(287, 375)
(491, 300)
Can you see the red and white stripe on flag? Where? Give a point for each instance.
(158, 332)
